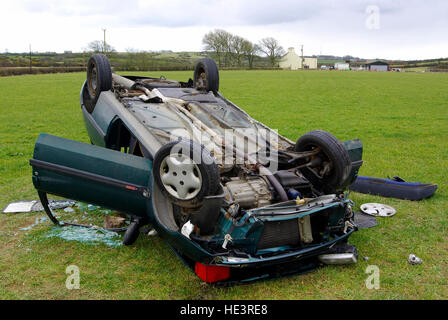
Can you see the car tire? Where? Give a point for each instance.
(185, 172)
(99, 78)
(206, 75)
(334, 151)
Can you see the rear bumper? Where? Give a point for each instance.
(284, 257)
(247, 270)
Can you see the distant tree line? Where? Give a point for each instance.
(231, 50)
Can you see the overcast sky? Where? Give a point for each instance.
(394, 29)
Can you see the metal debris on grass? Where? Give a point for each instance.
(152, 233)
(413, 259)
(378, 209)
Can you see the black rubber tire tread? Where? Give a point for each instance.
(335, 151)
(210, 68)
(103, 79)
(208, 168)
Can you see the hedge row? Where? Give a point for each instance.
(14, 71)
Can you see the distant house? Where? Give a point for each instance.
(377, 65)
(342, 66)
(293, 61)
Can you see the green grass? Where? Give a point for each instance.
(402, 119)
(417, 69)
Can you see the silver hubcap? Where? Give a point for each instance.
(180, 176)
(378, 209)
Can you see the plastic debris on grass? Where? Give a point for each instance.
(35, 206)
(92, 236)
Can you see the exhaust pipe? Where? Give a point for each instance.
(338, 258)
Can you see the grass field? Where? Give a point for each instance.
(402, 119)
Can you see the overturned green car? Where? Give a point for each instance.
(235, 200)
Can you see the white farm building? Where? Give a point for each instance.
(342, 66)
(293, 61)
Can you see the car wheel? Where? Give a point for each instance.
(99, 78)
(333, 165)
(206, 75)
(186, 172)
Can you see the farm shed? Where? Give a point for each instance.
(342, 66)
(293, 61)
(377, 66)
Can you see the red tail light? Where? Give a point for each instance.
(211, 274)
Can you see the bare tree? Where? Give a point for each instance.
(250, 50)
(211, 42)
(225, 39)
(219, 42)
(272, 49)
(237, 47)
(97, 46)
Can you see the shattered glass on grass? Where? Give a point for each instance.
(36, 222)
(92, 236)
(85, 209)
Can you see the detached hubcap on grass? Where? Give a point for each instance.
(180, 176)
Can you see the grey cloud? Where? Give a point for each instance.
(178, 13)
(335, 16)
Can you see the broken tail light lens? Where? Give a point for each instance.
(211, 274)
